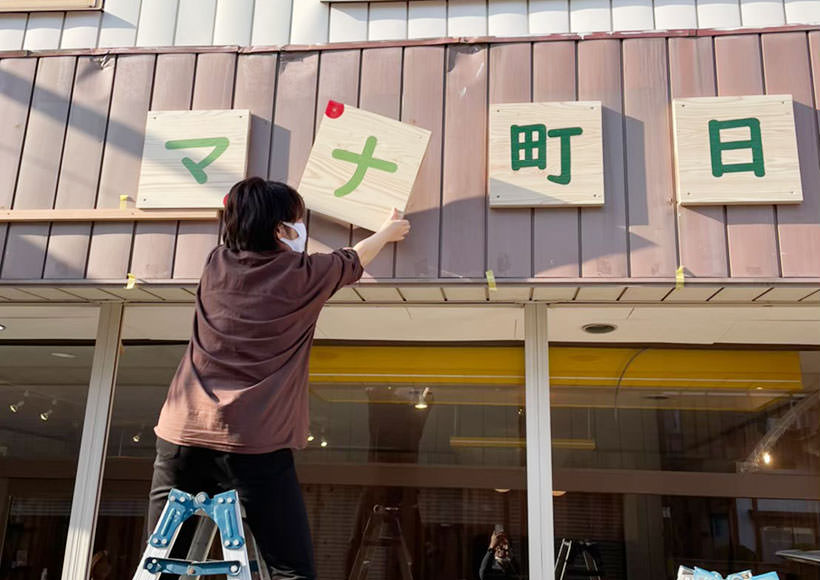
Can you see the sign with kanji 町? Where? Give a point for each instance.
(362, 165)
(546, 154)
(736, 150)
(192, 158)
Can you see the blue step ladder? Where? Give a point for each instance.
(223, 510)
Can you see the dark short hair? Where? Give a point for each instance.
(254, 208)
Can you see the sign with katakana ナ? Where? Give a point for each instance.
(546, 154)
(736, 150)
(362, 165)
(192, 158)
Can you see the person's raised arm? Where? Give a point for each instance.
(394, 229)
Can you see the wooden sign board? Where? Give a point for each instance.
(736, 150)
(362, 165)
(192, 158)
(546, 154)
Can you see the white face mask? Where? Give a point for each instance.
(297, 245)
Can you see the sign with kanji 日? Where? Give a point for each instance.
(192, 158)
(546, 154)
(736, 150)
(362, 165)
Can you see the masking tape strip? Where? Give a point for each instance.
(123, 202)
(491, 280)
(680, 278)
(132, 282)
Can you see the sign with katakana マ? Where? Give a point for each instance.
(546, 154)
(362, 165)
(190, 159)
(736, 150)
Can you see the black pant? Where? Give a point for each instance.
(267, 487)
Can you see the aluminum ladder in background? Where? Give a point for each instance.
(567, 553)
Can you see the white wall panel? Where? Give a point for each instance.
(590, 16)
(718, 14)
(762, 13)
(119, 23)
(234, 20)
(43, 31)
(195, 22)
(310, 22)
(549, 16)
(466, 18)
(427, 19)
(802, 11)
(388, 21)
(157, 23)
(632, 15)
(80, 30)
(12, 31)
(271, 22)
(675, 14)
(507, 18)
(348, 22)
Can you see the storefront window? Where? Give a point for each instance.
(668, 457)
(43, 392)
(415, 454)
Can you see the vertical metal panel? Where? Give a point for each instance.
(111, 242)
(701, 230)
(255, 90)
(603, 230)
(348, 22)
(549, 16)
(80, 168)
(750, 230)
(718, 13)
(153, 252)
(423, 105)
(16, 84)
(555, 232)
(234, 20)
(464, 200)
(213, 89)
(387, 21)
(466, 18)
(338, 81)
(509, 231)
(40, 165)
(633, 15)
(649, 159)
(309, 23)
(590, 16)
(157, 23)
(119, 23)
(762, 12)
(507, 18)
(427, 19)
(798, 226)
(195, 22)
(43, 30)
(675, 14)
(380, 92)
(12, 31)
(80, 30)
(271, 22)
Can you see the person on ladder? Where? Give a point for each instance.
(238, 403)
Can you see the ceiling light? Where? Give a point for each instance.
(45, 415)
(558, 493)
(767, 458)
(63, 355)
(324, 442)
(599, 328)
(2, 327)
(136, 437)
(421, 403)
(502, 490)
(310, 438)
(15, 407)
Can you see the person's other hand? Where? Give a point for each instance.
(395, 228)
(493, 540)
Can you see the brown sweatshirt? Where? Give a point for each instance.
(242, 384)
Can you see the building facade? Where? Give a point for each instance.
(642, 375)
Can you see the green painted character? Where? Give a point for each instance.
(528, 148)
(754, 142)
(363, 162)
(197, 170)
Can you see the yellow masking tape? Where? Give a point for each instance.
(491, 281)
(132, 282)
(679, 278)
(123, 201)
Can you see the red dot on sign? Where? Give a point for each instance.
(225, 200)
(334, 110)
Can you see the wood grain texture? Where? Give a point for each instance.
(464, 200)
(119, 23)
(234, 21)
(12, 31)
(507, 18)
(157, 23)
(153, 250)
(195, 22)
(16, 84)
(255, 90)
(750, 230)
(339, 81)
(603, 230)
(701, 231)
(213, 89)
(271, 22)
(387, 21)
(555, 230)
(380, 92)
(80, 30)
(648, 159)
(798, 226)
(427, 19)
(423, 105)
(509, 231)
(348, 22)
(109, 254)
(43, 31)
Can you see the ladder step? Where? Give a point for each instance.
(172, 566)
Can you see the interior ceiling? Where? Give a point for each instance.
(666, 323)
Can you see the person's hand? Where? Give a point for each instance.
(493, 540)
(395, 228)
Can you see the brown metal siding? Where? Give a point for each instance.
(71, 131)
